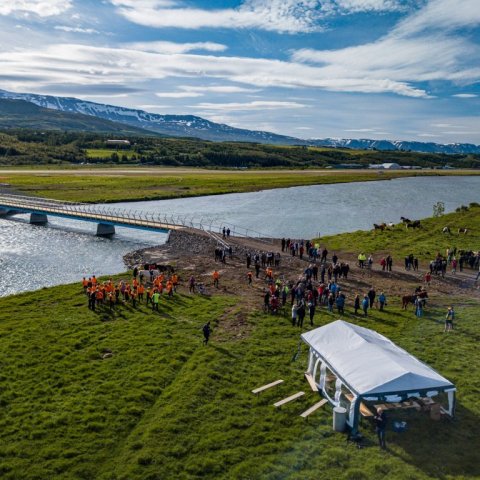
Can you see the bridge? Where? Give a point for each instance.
(107, 218)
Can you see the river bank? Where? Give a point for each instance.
(132, 184)
(133, 394)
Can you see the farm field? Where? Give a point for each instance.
(130, 184)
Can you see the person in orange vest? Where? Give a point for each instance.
(169, 288)
(111, 301)
(85, 285)
(94, 280)
(216, 277)
(99, 296)
(249, 277)
(174, 281)
(141, 291)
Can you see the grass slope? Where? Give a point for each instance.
(128, 184)
(424, 242)
(165, 407)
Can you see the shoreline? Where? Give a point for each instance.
(322, 177)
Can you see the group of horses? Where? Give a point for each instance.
(462, 230)
(415, 224)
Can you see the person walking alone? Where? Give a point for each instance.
(206, 333)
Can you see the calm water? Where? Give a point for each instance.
(32, 257)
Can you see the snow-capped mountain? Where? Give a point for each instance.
(407, 146)
(172, 125)
(192, 126)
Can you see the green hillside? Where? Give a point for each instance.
(19, 114)
(40, 137)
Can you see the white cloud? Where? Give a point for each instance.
(87, 65)
(465, 95)
(421, 48)
(217, 89)
(256, 105)
(178, 94)
(291, 16)
(42, 8)
(174, 48)
(303, 128)
(64, 28)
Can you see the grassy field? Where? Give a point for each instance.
(423, 242)
(166, 407)
(108, 152)
(111, 185)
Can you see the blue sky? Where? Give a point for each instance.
(394, 69)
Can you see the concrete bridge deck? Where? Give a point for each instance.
(106, 218)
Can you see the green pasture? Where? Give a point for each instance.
(106, 153)
(128, 185)
(166, 407)
(423, 242)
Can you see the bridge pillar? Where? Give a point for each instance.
(105, 230)
(38, 219)
(5, 212)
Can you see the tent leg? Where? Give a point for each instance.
(356, 415)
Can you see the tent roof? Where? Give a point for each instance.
(370, 363)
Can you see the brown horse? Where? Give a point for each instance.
(406, 299)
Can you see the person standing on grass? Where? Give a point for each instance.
(294, 314)
(449, 319)
(382, 300)
(356, 303)
(249, 278)
(365, 305)
(311, 310)
(418, 306)
(380, 420)
(371, 295)
(206, 333)
(155, 301)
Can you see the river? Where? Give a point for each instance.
(32, 257)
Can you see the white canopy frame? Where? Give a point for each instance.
(317, 368)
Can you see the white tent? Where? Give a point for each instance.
(370, 366)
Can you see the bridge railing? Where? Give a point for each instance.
(126, 216)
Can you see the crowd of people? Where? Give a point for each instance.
(146, 286)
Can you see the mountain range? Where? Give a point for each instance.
(140, 121)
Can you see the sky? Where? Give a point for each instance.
(379, 69)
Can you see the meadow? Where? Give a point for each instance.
(422, 242)
(130, 184)
(163, 406)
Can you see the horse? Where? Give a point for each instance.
(405, 220)
(446, 230)
(462, 230)
(414, 224)
(381, 227)
(406, 299)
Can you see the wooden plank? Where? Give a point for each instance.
(265, 387)
(288, 399)
(365, 411)
(319, 404)
(311, 381)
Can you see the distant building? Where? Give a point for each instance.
(385, 166)
(119, 143)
